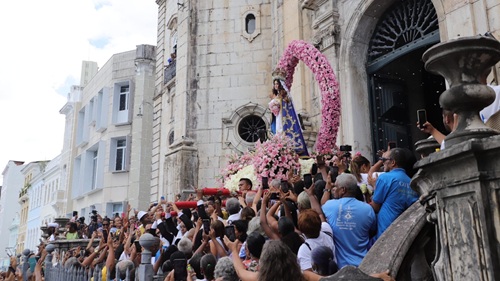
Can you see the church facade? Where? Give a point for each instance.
(215, 58)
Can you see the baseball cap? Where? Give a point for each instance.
(141, 214)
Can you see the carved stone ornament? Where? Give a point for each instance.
(311, 4)
(465, 63)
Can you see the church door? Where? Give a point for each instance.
(399, 84)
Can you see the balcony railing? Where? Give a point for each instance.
(169, 72)
(23, 192)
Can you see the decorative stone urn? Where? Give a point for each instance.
(45, 232)
(426, 146)
(62, 227)
(465, 63)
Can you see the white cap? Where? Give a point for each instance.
(141, 214)
(53, 224)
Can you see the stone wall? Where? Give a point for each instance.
(222, 71)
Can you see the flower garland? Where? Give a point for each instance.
(272, 159)
(275, 157)
(329, 87)
(235, 163)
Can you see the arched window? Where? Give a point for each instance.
(250, 23)
(171, 138)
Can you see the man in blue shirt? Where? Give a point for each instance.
(393, 194)
(351, 221)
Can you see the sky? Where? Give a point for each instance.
(43, 46)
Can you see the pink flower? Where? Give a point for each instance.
(274, 157)
(275, 107)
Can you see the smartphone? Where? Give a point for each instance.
(314, 169)
(138, 248)
(308, 180)
(392, 144)
(265, 183)
(206, 225)
(274, 196)
(180, 269)
(229, 231)
(334, 172)
(195, 216)
(105, 235)
(155, 204)
(320, 160)
(421, 117)
(284, 186)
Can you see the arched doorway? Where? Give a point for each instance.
(398, 83)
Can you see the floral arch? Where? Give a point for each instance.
(299, 50)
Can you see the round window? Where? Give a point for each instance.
(251, 127)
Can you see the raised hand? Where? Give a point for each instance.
(233, 246)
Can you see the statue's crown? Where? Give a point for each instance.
(279, 73)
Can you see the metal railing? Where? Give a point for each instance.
(169, 72)
(60, 272)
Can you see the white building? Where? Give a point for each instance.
(31, 205)
(68, 153)
(9, 193)
(14, 232)
(44, 198)
(54, 196)
(227, 50)
(107, 145)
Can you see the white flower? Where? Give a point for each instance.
(305, 166)
(247, 172)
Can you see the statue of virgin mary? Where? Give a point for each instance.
(284, 117)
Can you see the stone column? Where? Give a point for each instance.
(461, 184)
(139, 188)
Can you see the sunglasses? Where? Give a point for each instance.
(383, 159)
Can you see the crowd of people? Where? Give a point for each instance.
(300, 229)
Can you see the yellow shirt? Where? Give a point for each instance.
(104, 273)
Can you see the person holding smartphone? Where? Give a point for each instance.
(449, 122)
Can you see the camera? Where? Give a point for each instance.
(346, 148)
(347, 151)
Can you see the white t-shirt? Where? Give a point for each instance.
(233, 217)
(325, 238)
(364, 179)
(492, 108)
